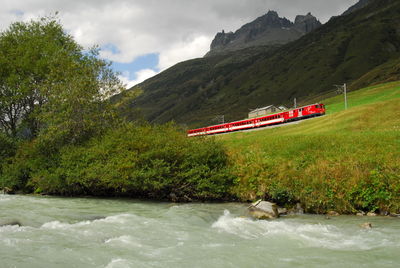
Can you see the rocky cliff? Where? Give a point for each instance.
(269, 29)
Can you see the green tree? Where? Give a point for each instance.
(50, 85)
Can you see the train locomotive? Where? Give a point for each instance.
(267, 120)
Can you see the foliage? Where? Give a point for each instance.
(157, 162)
(7, 149)
(50, 84)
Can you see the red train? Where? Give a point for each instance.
(271, 119)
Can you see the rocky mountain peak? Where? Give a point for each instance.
(306, 23)
(269, 29)
(270, 19)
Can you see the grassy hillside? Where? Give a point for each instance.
(361, 49)
(348, 160)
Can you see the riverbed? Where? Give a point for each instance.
(93, 232)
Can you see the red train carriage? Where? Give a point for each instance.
(278, 118)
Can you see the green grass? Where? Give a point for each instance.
(348, 160)
(364, 96)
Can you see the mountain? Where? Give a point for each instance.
(360, 49)
(268, 29)
(360, 4)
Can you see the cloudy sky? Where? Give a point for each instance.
(144, 37)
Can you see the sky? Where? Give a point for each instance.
(145, 37)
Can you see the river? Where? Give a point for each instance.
(92, 232)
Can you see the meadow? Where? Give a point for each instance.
(347, 160)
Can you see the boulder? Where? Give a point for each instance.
(361, 213)
(366, 225)
(264, 210)
(282, 211)
(384, 213)
(173, 197)
(10, 223)
(297, 209)
(372, 214)
(7, 190)
(332, 213)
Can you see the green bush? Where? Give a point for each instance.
(7, 149)
(157, 162)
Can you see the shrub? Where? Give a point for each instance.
(139, 161)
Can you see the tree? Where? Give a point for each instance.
(49, 85)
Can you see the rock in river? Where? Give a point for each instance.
(264, 210)
(332, 213)
(10, 222)
(366, 225)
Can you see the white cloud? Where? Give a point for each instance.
(140, 77)
(186, 49)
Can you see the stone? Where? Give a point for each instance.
(264, 210)
(332, 213)
(384, 213)
(173, 197)
(298, 209)
(7, 190)
(11, 222)
(361, 213)
(372, 214)
(282, 211)
(366, 225)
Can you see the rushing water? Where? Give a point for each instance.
(88, 232)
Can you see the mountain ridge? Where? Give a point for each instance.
(359, 5)
(269, 29)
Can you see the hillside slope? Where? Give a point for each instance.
(343, 50)
(348, 160)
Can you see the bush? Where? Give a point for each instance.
(157, 162)
(7, 149)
